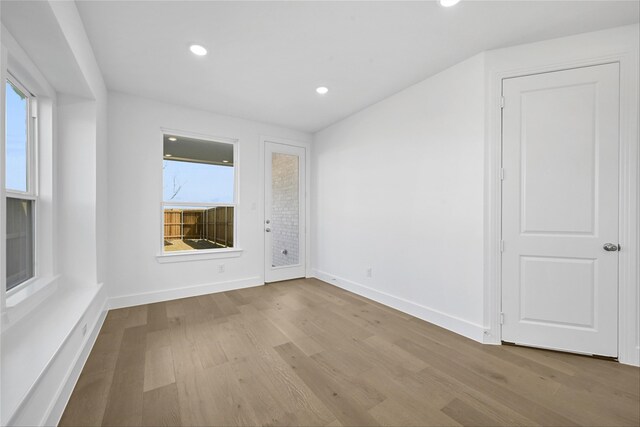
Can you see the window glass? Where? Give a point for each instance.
(198, 194)
(285, 220)
(20, 245)
(20, 203)
(193, 228)
(197, 182)
(16, 151)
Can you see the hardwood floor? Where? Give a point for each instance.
(306, 353)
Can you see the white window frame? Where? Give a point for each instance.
(32, 177)
(200, 254)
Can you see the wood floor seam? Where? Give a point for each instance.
(306, 353)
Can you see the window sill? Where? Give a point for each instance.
(198, 255)
(24, 300)
(32, 287)
(36, 341)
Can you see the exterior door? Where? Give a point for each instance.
(560, 210)
(284, 225)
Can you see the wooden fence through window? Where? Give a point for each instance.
(213, 224)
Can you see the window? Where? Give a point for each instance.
(199, 201)
(20, 184)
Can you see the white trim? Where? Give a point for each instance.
(183, 292)
(21, 293)
(261, 217)
(298, 270)
(3, 200)
(628, 352)
(199, 205)
(235, 204)
(41, 147)
(32, 141)
(32, 178)
(59, 403)
(196, 255)
(23, 66)
(33, 388)
(19, 195)
(55, 410)
(455, 324)
(629, 239)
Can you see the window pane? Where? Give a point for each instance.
(197, 182)
(20, 259)
(16, 139)
(197, 171)
(196, 228)
(285, 212)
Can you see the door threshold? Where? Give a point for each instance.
(284, 280)
(592, 356)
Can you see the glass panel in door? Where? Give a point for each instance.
(285, 210)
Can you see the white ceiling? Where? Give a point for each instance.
(266, 58)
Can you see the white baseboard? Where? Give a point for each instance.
(452, 323)
(55, 411)
(61, 397)
(185, 292)
(632, 359)
(46, 398)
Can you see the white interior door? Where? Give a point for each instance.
(560, 210)
(284, 227)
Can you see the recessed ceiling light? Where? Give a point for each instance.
(225, 161)
(173, 138)
(449, 3)
(168, 155)
(322, 90)
(196, 49)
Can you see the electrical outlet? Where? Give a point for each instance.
(84, 329)
(221, 268)
(369, 272)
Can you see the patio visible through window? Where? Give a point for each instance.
(198, 194)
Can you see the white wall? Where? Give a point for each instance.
(398, 188)
(135, 192)
(82, 157)
(410, 187)
(47, 335)
(77, 195)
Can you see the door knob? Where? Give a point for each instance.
(611, 247)
(268, 230)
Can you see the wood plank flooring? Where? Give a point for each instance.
(304, 352)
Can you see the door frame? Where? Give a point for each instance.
(542, 62)
(307, 200)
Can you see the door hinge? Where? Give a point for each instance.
(501, 174)
(501, 245)
(502, 318)
(502, 102)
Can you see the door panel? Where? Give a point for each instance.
(546, 294)
(560, 206)
(558, 159)
(284, 212)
